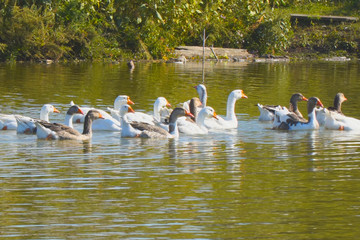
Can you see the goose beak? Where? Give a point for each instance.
(345, 98)
(100, 116)
(130, 110)
(56, 111)
(168, 104)
(215, 116)
(319, 103)
(80, 111)
(189, 114)
(243, 95)
(304, 99)
(129, 101)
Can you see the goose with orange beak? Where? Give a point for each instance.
(58, 131)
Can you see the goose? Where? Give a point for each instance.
(58, 131)
(27, 125)
(267, 112)
(336, 121)
(336, 109)
(194, 128)
(290, 121)
(8, 121)
(230, 121)
(144, 130)
(156, 119)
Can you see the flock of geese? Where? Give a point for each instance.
(193, 117)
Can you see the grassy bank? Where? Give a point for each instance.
(150, 29)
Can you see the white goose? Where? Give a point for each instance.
(267, 112)
(336, 121)
(290, 121)
(144, 130)
(190, 127)
(230, 121)
(27, 125)
(336, 109)
(8, 121)
(58, 131)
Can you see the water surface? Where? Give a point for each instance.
(247, 183)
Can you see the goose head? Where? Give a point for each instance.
(312, 103)
(237, 94)
(175, 114)
(338, 100)
(94, 114)
(179, 112)
(74, 109)
(297, 97)
(125, 109)
(161, 102)
(195, 103)
(340, 97)
(121, 100)
(208, 112)
(48, 108)
(45, 110)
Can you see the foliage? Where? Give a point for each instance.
(329, 39)
(147, 29)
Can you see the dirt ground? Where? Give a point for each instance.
(193, 52)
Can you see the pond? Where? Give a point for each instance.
(248, 183)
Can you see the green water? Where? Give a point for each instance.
(248, 183)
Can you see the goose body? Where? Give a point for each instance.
(336, 121)
(287, 120)
(267, 112)
(335, 109)
(230, 121)
(27, 125)
(9, 121)
(58, 131)
(194, 128)
(145, 130)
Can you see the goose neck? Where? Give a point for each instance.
(173, 129)
(44, 115)
(68, 120)
(87, 125)
(200, 120)
(157, 109)
(230, 107)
